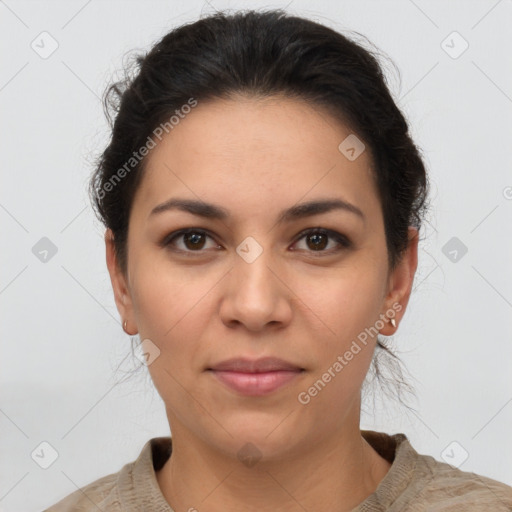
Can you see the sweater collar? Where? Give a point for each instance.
(139, 489)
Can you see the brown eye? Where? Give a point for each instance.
(188, 241)
(317, 239)
(194, 240)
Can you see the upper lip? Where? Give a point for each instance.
(264, 364)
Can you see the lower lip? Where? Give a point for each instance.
(256, 384)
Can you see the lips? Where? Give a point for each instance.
(265, 364)
(255, 377)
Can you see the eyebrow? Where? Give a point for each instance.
(298, 211)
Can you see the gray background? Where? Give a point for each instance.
(64, 354)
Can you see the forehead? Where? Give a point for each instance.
(255, 152)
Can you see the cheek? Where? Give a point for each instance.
(343, 303)
(166, 298)
(172, 311)
(348, 308)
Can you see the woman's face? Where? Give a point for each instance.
(252, 284)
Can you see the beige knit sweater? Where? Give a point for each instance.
(413, 483)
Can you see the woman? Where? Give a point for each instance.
(263, 201)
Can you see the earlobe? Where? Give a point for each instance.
(391, 324)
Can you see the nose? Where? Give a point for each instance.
(256, 295)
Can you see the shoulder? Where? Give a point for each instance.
(102, 494)
(421, 483)
(133, 487)
(448, 488)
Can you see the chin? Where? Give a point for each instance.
(266, 432)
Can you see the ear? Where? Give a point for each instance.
(120, 286)
(400, 283)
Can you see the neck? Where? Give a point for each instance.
(333, 474)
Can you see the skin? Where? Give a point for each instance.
(256, 157)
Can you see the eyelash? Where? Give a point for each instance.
(344, 242)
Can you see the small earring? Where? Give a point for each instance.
(124, 327)
(393, 322)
